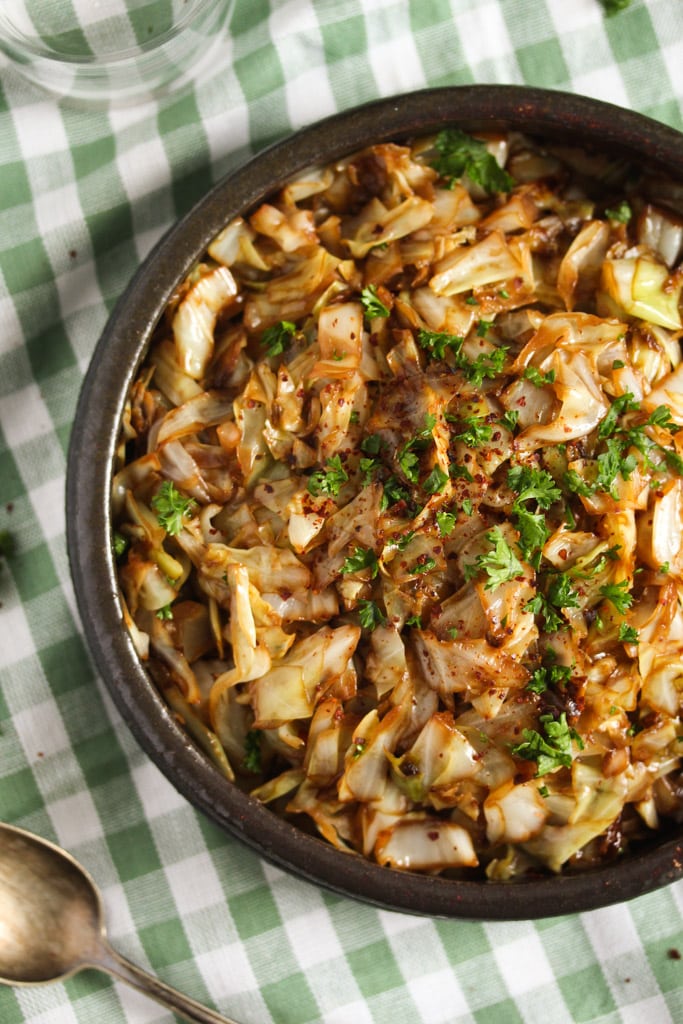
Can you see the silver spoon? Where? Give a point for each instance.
(51, 925)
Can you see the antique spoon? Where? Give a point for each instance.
(51, 925)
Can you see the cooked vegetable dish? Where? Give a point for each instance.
(398, 505)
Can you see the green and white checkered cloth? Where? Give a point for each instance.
(84, 194)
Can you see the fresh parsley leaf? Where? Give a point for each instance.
(622, 404)
(277, 339)
(252, 752)
(362, 558)
(409, 463)
(425, 566)
(119, 543)
(436, 342)
(483, 327)
(575, 483)
(500, 563)
(446, 522)
(485, 367)
(533, 533)
(467, 506)
(372, 304)
(328, 481)
(370, 615)
(460, 154)
(613, 7)
(392, 493)
(531, 484)
(460, 472)
(436, 481)
(372, 444)
(618, 594)
(558, 594)
(549, 675)
(403, 542)
(171, 507)
(414, 620)
(620, 214)
(533, 374)
(551, 750)
(165, 613)
(510, 419)
(560, 591)
(367, 468)
(628, 634)
(476, 431)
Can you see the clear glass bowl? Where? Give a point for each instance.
(112, 51)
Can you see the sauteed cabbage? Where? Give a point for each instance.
(399, 504)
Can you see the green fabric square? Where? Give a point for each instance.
(165, 943)
(254, 912)
(111, 228)
(10, 1011)
(374, 968)
(93, 155)
(343, 39)
(133, 852)
(423, 15)
(100, 758)
(249, 16)
(543, 63)
(586, 994)
(34, 572)
(50, 352)
(665, 957)
(15, 185)
(66, 664)
(504, 1012)
(181, 113)
(63, 435)
(462, 941)
(291, 999)
(21, 796)
(189, 188)
(25, 265)
(11, 484)
(259, 73)
(631, 34)
(151, 20)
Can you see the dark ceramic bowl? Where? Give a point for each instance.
(561, 117)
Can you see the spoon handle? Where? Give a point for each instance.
(119, 967)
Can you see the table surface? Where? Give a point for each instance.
(84, 194)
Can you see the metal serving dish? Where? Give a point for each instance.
(571, 120)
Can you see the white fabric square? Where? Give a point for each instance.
(309, 97)
(292, 16)
(41, 731)
(156, 793)
(227, 972)
(11, 333)
(312, 938)
(15, 624)
(394, 923)
(579, 14)
(611, 932)
(647, 1011)
(119, 918)
(19, 428)
(358, 1012)
(49, 139)
(48, 506)
(143, 168)
(602, 84)
(195, 884)
(75, 820)
(57, 208)
(60, 1013)
(484, 32)
(523, 964)
(396, 65)
(439, 997)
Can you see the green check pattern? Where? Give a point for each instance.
(84, 194)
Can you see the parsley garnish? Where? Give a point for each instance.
(533, 374)
(532, 485)
(483, 328)
(414, 620)
(407, 458)
(436, 481)
(486, 365)
(500, 563)
(165, 613)
(370, 615)
(510, 419)
(549, 675)
(277, 339)
(460, 154)
(613, 7)
(425, 566)
(252, 751)
(552, 750)
(403, 542)
(446, 523)
(372, 304)
(618, 594)
(559, 594)
(362, 558)
(628, 634)
(621, 214)
(477, 431)
(328, 481)
(171, 507)
(392, 493)
(120, 544)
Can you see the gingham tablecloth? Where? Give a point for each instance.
(83, 197)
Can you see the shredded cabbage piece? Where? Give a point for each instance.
(417, 422)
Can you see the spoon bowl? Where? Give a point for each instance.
(52, 925)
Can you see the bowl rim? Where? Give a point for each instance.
(113, 366)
